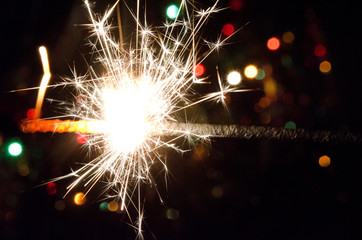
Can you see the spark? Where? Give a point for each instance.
(128, 106)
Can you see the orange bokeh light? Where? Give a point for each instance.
(79, 198)
(324, 161)
(199, 70)
(273, 43)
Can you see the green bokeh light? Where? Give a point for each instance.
(103, 206)
(15, 149)
(290, 125)
(172, 11)
(260, 75)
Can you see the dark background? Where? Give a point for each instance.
(229, 189)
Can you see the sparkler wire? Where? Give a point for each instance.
(209, 130)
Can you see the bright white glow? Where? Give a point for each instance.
(125, 118)
(15, 149)
(251, 71)
(234, 78)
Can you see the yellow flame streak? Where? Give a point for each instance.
(44, 81)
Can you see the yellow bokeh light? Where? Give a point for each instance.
(325, 67)
(324, 161)
(234, 78)
(251, 71)
(270, 88)
(113, 206)
(288, 37)
(79, 198)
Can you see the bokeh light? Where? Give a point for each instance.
(15, 149)
(273, 43)
(234, 78)
(172, 11)
(288, 37)
(251, 71)
(260, 75)
(325, 67)
(217, 192)
(324, 161)
(51, 188)
(287, 61)
(172, 214)
(30, 114)
(79, 198)
(199, 70)
(103, 206)
(320, 50)
(59, 205)
(228, 29)
(270, 88)
(113, 206)
(290, 125)
(235, 5)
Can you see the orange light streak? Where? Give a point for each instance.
(44, 81)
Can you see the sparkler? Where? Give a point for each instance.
(128, 106)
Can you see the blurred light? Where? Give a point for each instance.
(23, 169)
(1, 139)
(51, 188)
(103, 206)
(264, 102)
(172, 11)
(270, 88)
(234, 78)
(260, 75)
(235, 5)
(265, 118)
(320, 50)
(287, 61)
(217, 192)
(172, 214)
(325, 67)
(290, 125)
(113, 206)
(79, 198)
(82, 138)
(273, 43)
(251, 71)
(30, 114)
(324, 161)
(199, 70)
(15, 149)
(288, 37)
(228, 29)
(59, 205)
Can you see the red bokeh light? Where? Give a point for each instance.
(30, 114)
(320, 50)
(82, 138)
(235, 5)
(273, 43)
(228, 29)
(199, 70)
(51, 188)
